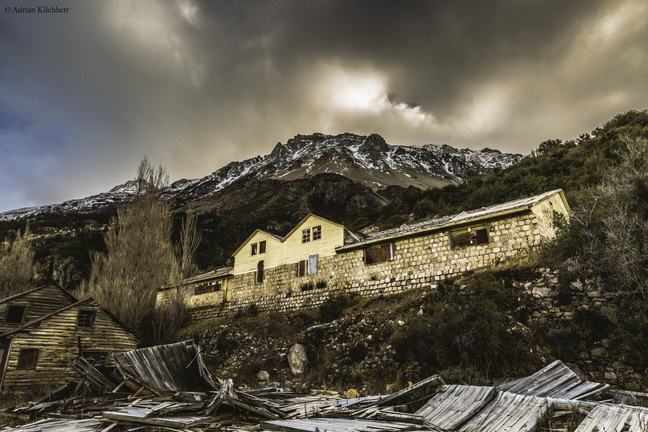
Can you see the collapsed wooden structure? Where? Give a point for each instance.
(169, 388)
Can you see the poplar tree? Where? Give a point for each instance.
(17, 268)
(140, 258)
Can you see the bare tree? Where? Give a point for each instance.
(622, 247)
(17, 268)
(140, 258)
(189, 241)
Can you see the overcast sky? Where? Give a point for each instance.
(87, 92)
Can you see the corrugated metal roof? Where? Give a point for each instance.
(455, 404)
(61, 425)
(615, 418)
(465, 216)
(555, 381)
(509, 412)
(341, 425)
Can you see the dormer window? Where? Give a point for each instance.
(306, 235)
(317, 233)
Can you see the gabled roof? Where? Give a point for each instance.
(42, 318)
(303, 221)
(15, 296)
(273, 236)
(64, 308)
(282, 239)
(469, 216)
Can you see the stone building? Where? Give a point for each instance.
(319, 257)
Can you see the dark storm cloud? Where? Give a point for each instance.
(197, 84)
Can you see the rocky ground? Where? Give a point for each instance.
(351, 351)
(474, 330)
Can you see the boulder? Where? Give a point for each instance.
(297, 359)
(263, 375)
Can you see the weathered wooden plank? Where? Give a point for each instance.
(56, 425)
(225, 390)
(258, 410)
(454, 405)
(89, 372)
(339, 425)
(554, 380)
(509, 412)
(615, 418)
(434, 380)
(165, 368)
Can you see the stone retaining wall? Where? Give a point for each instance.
(418, 261)
(553, 304)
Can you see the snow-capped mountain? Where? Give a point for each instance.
(364, 159)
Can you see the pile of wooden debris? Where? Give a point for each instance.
(168, 388)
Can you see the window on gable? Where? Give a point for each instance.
(15, 314)
(379, 253)
(262, 247)
(27, 358)
(306, 235)
(86, 318)
(254, 248)
(317, 233)
(469, 237)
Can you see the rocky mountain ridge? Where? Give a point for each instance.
(368, 160)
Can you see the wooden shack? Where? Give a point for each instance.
(44, 329)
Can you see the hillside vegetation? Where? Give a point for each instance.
(64, 243)
(573, 166)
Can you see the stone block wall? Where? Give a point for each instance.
(417, 261)
(553, 306)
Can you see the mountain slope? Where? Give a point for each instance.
(367, 160)
(347, 178)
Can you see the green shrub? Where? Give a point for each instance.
(333, 306)
(467, 325)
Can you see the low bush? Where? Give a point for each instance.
(333, 306)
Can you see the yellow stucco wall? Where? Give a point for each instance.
(291, 249)
(245, 262)
(332, 237)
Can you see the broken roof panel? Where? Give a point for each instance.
(341, 425)
(555, 381)
(615, 418)
(57, 425)
(455, 404)
(167, 368)
(509, 412)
